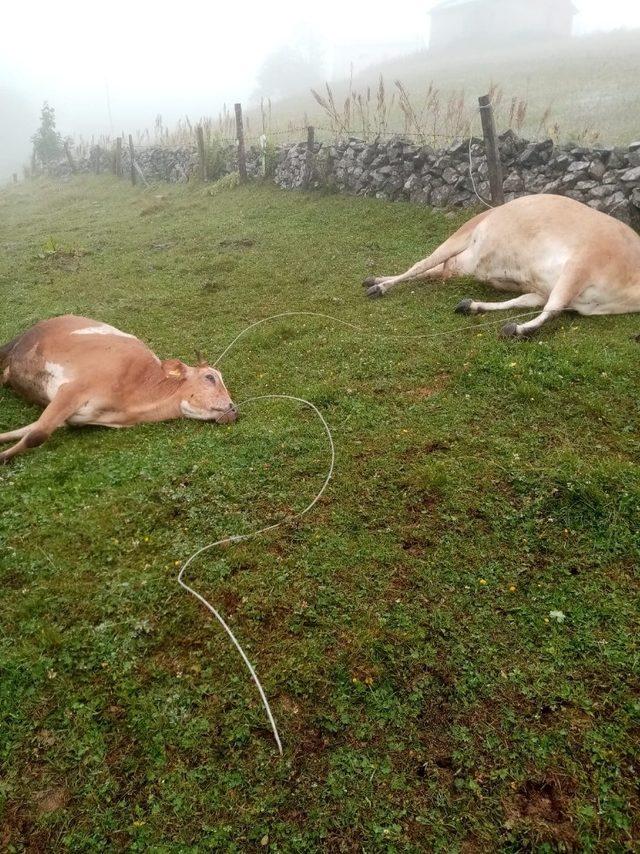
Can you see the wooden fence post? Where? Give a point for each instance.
(202, 157)
(117, 164)
(132, 156)
(242, 157)
(491, 149)
(71, 161)
(98, 154)
(308, 166)
(15, 177)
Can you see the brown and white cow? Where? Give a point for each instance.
(558, 253)
(87, 372)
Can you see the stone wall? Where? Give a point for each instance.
(607, 179)
(161, 163)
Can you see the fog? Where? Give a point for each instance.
(115, 67)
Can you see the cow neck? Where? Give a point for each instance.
(159, 397)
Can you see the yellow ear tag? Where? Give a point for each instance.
(175, 373)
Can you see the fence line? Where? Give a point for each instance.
(208, 155)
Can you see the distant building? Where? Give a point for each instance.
(456, 23)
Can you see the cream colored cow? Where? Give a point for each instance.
(557, 253)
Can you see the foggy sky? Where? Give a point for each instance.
(111, 67)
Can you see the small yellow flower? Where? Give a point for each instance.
(176, 562)
(512, 588)
(482, 581)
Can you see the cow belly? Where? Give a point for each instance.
(97, 415)
(90, 412)
(605, 299)
(520, 268)
(525, 279)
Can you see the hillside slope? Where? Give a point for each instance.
(585, 89)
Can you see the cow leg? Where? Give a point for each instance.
(64, 404)
(449, 255)
(459, 265)
(434, 273)
(570, 284)
(379, 286)
(469, 306)
(12, 435)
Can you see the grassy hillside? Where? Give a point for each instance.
(427, 696)
(583, 89)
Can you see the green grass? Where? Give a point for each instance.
(426, 699)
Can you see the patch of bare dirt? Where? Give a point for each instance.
(51, 800)
(543, 805)
(440, 381)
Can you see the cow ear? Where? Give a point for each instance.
(201, 360)
(174, 368)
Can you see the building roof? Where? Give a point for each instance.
(445, 5)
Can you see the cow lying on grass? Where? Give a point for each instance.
(558, 253)
(86, 372)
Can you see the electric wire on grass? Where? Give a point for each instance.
(287, 520)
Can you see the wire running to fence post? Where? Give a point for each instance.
(492, 151)
(242, 157)
(70, 160)
(118, 158)
(308, 166)
(132, 156)
(202, 159)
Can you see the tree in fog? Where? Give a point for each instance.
(289, 70)
(47, 142)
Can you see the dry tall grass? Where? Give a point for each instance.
(584, 91)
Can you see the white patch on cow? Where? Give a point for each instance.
(102, 329)
(57, 378)
(198, 414)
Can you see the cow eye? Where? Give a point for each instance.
(211, 378)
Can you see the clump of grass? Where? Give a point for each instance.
(52, 249)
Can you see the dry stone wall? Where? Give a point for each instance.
(607, 179)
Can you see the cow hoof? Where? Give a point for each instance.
(510, 330)
(369, 282)
(376, 292)
(464, 307)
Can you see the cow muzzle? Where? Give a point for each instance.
(228, 416)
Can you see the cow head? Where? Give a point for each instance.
(201, 392)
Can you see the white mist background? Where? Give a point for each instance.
(114, 67)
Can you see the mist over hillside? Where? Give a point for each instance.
(110, 79)
(584, 88)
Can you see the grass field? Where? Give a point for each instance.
(427, 698)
